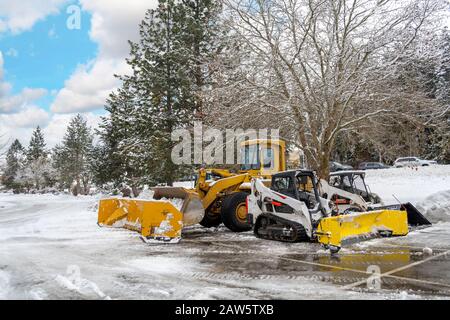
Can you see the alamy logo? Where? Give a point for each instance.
(74, 19)
(374, 280)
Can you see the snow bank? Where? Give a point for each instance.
(148, 194)
(436, 207)
(164, 265)
(408, 184)
(4, 285)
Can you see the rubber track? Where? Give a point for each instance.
(298, 228)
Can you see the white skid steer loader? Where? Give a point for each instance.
(292, 210)
(349, 193)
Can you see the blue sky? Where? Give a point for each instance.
(49, 72)
(47, 55)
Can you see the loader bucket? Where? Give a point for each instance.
(158, 219)
(415, 218)
(336, 231)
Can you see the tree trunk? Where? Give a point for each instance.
(136, 191)
(323, 172)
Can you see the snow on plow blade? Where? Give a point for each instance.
(336, 231)
(158, 219)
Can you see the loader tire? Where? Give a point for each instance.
(211, 220)
(234, 212)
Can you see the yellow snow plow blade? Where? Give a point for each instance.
(159, 219)
(344, 229)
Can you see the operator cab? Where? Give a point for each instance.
(297, 184)
(264, 156)
(350, 181)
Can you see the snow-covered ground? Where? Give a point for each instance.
(408, 184)
(52, 248)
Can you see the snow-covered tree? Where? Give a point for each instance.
(37, 171)
(36, 174)
(15, 161)
(166, 90)
(3, 145)
(122, 156)
(71, 158)
(36, 148)
(320, 68)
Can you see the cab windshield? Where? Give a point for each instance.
(250, 158)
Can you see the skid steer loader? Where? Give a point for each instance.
(350, 193)
(292, 210)
(219, 196)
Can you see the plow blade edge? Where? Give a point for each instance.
(345, 229)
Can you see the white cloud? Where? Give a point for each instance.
(14, 103)
(12, 53)
(54, 126)
(17, 113)
(52, 33)
(57, 127)
(11, 104)
(18, 16)
(113, 24)
(21, 125)
(89, 86)
(29, 117)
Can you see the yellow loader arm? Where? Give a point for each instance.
(210, 191)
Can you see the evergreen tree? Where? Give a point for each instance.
(36, 148)
(164, 93)
(15, 160)
(71, 158)
(121, 158)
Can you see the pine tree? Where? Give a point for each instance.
(71, 158)
(164, 93)
(122, 157)
(15, 160)
(36, 148)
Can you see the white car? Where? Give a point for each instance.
(412, 162)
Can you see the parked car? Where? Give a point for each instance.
(412, 162)
(336, 166)
(372, 165)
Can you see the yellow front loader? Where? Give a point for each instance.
(219, 196)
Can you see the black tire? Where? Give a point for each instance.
(211, 220)
(231, 208)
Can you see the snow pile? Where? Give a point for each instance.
(146, 194)
(436, 207)
(408, 184)
(165, 226)
(38, 294)
(81, 286)
(164, 265)
(4, 285)
(177, 203)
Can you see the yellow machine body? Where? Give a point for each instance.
(342, 229)
(154, 219)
